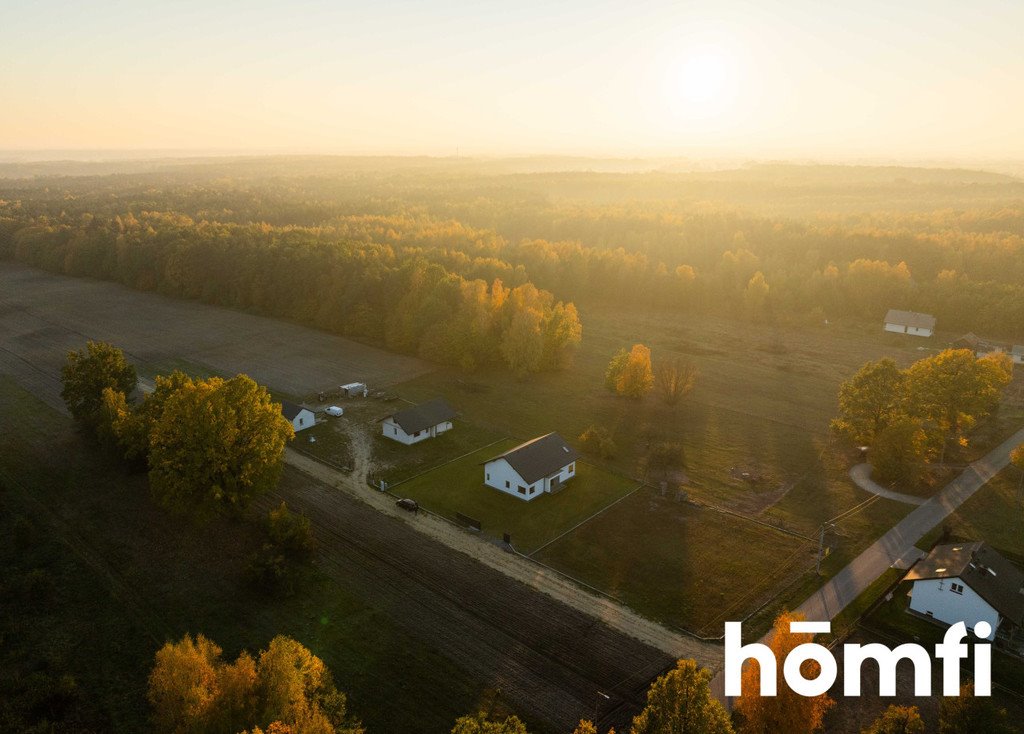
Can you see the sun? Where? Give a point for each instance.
(702, 85)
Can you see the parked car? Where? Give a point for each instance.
(409, 504)
(335, 411)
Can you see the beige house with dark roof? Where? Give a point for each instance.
(909, 322)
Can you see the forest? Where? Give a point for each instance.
(482, 264)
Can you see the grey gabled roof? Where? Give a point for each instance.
(991, 576)
(419, 417)
(910, 318)
(540, 457)
(289, 410)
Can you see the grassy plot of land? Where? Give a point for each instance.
(96, 578)
(396, 462)
(677, 562)
(458, 487)
(995, 514)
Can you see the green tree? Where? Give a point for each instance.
(870, 400)
(598, 440)
(953, 389)
(680, 702)
(290, 532)
(900, 452)
(897, 720)
(87, 373)
(970, 714)
(522, 344)
(482, 724)
(216, 445)
(616, 367)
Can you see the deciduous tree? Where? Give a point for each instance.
(870, 400)
(897, 720)
(87, 373)
(674, 379)
(788, 711)
(680, 702)
(636, 377)
(900, 452)
(970, 714)
(482, 724)
(216, 445)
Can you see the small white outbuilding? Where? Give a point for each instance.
(300, 418)
(909, 322)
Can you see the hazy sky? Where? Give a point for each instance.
(902, 78)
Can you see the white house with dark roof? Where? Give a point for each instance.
(909, 322)
(969, 583)
(419, 422)
(531, 469)
(300, 418)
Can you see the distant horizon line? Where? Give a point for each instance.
(128, 154)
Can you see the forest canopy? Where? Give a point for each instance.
(477, 266)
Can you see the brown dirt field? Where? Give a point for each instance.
(43, 315)
(550, 661)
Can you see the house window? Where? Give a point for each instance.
(395, 431)
(572, 467)
(488, 476)
(522, 489)
(532, 490)
(302, 421)
(508, 485)
(956, 588)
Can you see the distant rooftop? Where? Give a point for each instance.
(426, 415)
(910, 318)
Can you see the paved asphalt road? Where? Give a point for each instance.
(848, 584)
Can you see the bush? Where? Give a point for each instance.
(269, 572)
(598, 442)
(291, 533)
(665, 456)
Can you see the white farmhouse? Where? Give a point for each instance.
(1017, 353)
(969, 583)
(533, 468)
(909, 322)
(300, 418)
(419, 422)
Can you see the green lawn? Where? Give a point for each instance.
(459, 487)
(395, 462)
(679, 563)
(995, 514)
(96, 578)
(332, 443)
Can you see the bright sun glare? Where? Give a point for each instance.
(703, 85)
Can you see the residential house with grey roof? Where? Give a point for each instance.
(540, 466)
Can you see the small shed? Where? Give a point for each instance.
(353, 390)
(300, 418)
(909, 322)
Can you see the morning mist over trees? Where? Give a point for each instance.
(489, 368)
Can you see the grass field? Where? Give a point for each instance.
(458, 487)
(995, 514)
(681, 564)
(96, 578)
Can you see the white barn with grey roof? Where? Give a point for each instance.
(300, 418)
(419, 422)
(909, 322)
(540, 466)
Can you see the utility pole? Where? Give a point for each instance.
(821, 545)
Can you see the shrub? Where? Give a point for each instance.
(291, 533)
(598, 441)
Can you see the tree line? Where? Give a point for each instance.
(265, 244)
